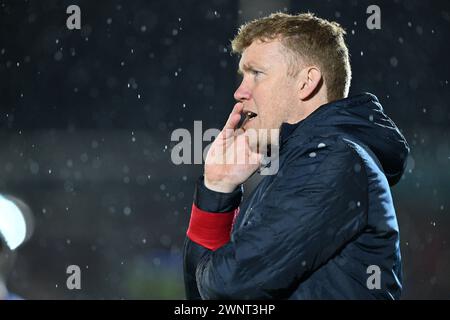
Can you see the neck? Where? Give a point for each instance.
(307, 107)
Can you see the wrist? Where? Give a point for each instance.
(212, 201)
(219, 186)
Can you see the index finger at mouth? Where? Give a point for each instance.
(233, 120)
(238, 107)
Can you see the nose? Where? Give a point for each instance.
(242, 93)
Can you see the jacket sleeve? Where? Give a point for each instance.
(315, 206)
(221, 209)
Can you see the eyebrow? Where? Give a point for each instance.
(249, 66)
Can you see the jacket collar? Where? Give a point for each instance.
(288, 130)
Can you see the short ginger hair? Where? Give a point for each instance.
(314, 40)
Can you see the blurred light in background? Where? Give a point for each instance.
(13, 225)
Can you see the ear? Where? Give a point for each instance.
(310, 80)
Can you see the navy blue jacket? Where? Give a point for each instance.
(313, 230)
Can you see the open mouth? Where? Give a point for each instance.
(246, 116)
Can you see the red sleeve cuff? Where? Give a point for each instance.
(210, 230)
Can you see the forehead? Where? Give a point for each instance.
(264, 54)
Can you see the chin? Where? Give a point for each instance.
(259, 139)
(263, 148)
(254, 146)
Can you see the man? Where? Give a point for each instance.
(322, 227)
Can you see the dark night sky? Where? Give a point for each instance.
(86, 118)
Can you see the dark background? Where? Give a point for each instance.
(86, 118)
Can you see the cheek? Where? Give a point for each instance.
(285, 100)
(271, 99)
(267, 113)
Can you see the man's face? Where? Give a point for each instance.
(266, 89)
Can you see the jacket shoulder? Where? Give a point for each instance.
(320, 148)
